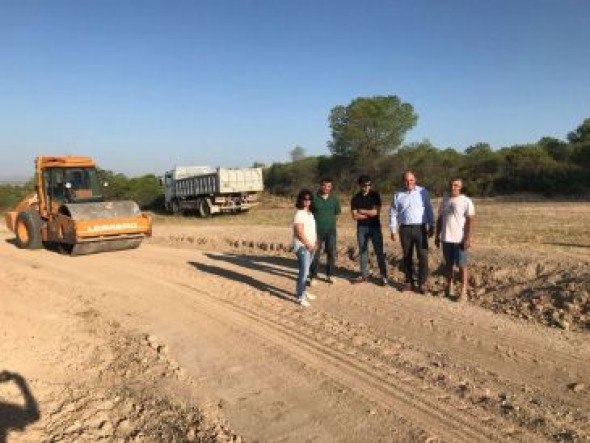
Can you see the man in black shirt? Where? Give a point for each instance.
(366, 207)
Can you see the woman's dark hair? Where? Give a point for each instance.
(301, 196)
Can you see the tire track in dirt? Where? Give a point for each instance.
(156, 267)
(361, 378)
(496, 346)
(454, 326)
(373, 383)
(181, 273)
(91, 380)
(412, 375)
(104, 284)
(182, 277)
(497, 338)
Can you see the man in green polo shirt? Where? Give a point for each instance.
(325, 208)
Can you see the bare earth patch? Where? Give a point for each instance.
(195, 337)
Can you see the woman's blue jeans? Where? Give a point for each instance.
(304, 258)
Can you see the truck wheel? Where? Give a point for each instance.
(204, 208)
(28, 230)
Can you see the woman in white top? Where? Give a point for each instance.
(304, 243)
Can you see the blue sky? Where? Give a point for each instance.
(145, 85)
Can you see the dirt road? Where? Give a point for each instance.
(190, 340)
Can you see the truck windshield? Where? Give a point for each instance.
(83, 185)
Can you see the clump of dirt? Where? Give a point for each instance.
(204, 242)
(555, 295)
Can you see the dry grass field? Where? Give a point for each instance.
(499, 222)
(564, 225)
(517, 225)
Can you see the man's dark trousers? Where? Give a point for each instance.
(414, 237)
(326, 242)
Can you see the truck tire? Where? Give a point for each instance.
(204, 209)
(175, 207)
(28, 230)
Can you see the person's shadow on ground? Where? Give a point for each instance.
(243, 278)
(270, 265)
(273, 265)
(14, 417)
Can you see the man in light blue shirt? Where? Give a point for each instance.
(411, 213)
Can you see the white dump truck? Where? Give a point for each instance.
(208, 190)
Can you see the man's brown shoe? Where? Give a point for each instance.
(358, 280)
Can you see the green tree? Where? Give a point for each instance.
(118, 187)
(478, 149)
(581, 134)
(370, 128)
(580, 157)
(146, 191)
(11, 195)
(558, 150)
(530, 168)
(433, 167)
(297, 153)
(481, 167)
(289, 178)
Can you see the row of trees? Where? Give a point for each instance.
(367, 137)
(10, 195)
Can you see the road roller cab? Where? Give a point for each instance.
(68, 210)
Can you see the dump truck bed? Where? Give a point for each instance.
(222, 181)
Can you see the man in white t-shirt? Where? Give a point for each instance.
(454, 228)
